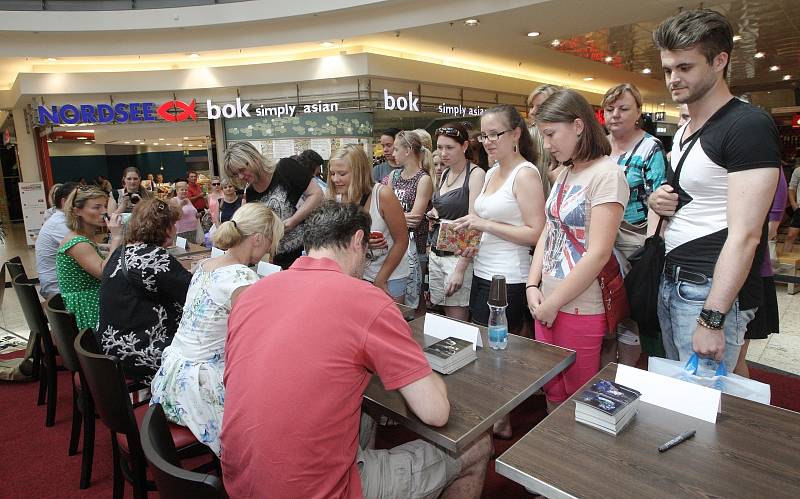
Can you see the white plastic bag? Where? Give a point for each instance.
(729, 383)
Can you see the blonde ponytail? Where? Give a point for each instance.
(252, 218)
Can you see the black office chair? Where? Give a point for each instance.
(64, 330)
(173, 481)
(37, 322)
(29, 366)
(106, 381)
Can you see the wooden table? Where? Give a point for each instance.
(192, 255)
(753, 451)
(480, 393)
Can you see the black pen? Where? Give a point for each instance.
(675, 441)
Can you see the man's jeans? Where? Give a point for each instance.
(679, 305)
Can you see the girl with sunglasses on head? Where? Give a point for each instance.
(509, 211)
(450, 275)
(79, 264)
(584, 211)
(350, 180)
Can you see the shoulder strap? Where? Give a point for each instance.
(630, 156)
(676, 178)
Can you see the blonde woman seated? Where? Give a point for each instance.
(189, 384)
(350, 180)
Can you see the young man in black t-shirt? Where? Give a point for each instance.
(715, 236)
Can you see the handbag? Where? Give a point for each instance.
(612, 286)
(721, 379)
(647, 264)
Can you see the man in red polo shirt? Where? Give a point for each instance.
(196, 194)
(295, 375)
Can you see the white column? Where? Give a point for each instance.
(26, 148)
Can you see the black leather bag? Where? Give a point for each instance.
(642, 282)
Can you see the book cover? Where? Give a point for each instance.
(452, 240)
(608, 397)
(444, 349)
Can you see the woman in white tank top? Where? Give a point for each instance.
(510, 213)
(350, 180)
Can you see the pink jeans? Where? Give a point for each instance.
(582, 333)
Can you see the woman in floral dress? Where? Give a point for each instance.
(189, 383)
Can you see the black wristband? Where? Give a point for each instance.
(533, 286)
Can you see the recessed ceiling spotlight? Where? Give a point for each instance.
(169, 144)
(774, 68)
(180, 145)
(155, 143)
(81, 138)
(127, 141)
(661, 104)
(194, 55)
(186, 138)
(160, 138)
(787, 77)
(534, 34)
(472, 22)
(327, 44)
(88, 142)
(646, 71)
(609, 58)
(556, 42)
(49, 140)
(736, 38)
(51, 59)
(588, 78)
(759, 55)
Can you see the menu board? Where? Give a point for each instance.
(32, 197)
(282, 148)
(321, 146)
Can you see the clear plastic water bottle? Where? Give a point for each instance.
(498, 324)
(498, 328)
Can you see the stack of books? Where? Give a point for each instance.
(450, 354)
(607, 406)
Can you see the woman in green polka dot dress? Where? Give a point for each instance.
(79, 264)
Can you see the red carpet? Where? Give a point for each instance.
(35, 461)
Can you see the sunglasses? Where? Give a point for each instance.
(214, 183)
(449, 131)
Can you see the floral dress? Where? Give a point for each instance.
(189, 383)
(80, 290)
(140, 312)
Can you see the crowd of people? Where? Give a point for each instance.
(556, 199)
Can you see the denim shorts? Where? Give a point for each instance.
(397, 287)
(679, 305)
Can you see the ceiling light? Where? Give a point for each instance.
(588, 78)
(556, 42)
(81, 138)
(169, 144)
(49, 140)
(180, 145)
(787, 77)
(609, 58)
(327, 44)
(186, 138)
(736, 38)
(472, 22)
(774, 68)
(127, 141)
(194, 55)
(87, 142)
(661, 104)
(534, 34)
(155, 143)
(759, 55)
(160, 138)
(646, 71)
(51, 59)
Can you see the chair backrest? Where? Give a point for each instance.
(64, 330)
(32, 309)
(15, 267)
(106, 382)
(172, 480)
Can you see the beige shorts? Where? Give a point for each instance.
(415, 469)
(439, 270)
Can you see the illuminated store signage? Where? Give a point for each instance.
(123, 112)
(458, 110)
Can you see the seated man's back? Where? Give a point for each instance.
(302, 346)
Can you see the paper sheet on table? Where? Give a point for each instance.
(215, 252)
(442, 327)
(673, 394)
(265, 268)
(181, 242)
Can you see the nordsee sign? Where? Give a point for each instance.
(123, 112)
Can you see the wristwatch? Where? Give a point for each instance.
(711, 319)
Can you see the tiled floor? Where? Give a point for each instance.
(780, 351)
